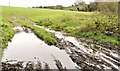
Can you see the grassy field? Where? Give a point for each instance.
(90, 24)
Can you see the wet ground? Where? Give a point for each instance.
(27, 51)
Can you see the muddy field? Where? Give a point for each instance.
(68, 53)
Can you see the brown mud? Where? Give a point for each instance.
(98, 58)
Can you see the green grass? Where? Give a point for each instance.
(18, 16)
(7, 33)
(5, 36)
(1, 52)
(101, 38)
(48, 17)
(83, 25)
(44, 35)
(76, 23)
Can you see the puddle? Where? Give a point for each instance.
(27, 47)
(90, 49)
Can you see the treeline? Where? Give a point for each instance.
(51, 7)
(106, 7)
(111, 7)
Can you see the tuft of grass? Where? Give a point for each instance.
(101, 37)
(1, 52)
(44, 35)
(91, 24)
(6, 34)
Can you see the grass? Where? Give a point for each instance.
(7, 33)
(5, 36)
(83, 25)
(44, 35)
(1, 52)
(76, 23)
(91, 24)
(15, 15)
(101, 38)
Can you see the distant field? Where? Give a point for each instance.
(77, 23)
(90, 24)
(22, 13)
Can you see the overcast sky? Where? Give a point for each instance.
(30, 3)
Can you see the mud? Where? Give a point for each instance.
(26, 46)
(29, 66)
(78, 57)
(87, 55)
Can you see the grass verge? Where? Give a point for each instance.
(44, 35)
(6, 35)
(94, 25)
(102, 28)
(1, 53)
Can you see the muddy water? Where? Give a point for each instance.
(74, 53)
(109, 57)
(27, 47)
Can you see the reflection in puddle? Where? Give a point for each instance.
(26, 46)
(90, 49)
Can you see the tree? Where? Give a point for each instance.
(92, 6)
(59, 7)
(79, 2)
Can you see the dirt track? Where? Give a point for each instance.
(95, 60)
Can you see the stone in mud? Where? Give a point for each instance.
(47, 68)
(38, 66)
(17, 31)
(29, 66)
(25, 28)
(58, 64)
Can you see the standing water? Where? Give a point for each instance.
(107, 58)
(27, 47)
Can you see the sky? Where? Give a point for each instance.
(30, 3)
